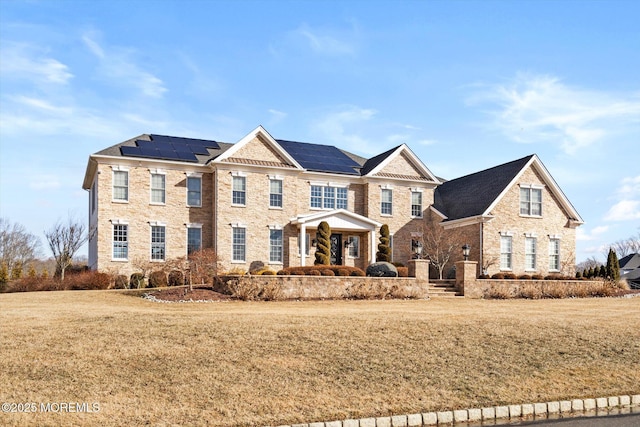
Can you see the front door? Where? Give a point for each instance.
(336, 249)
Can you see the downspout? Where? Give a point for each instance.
(481, 245)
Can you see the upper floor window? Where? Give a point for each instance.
(194, 191)
(506, 251)
(158, 242)
(157, 188)
(121, 185)
(386, 205)
(120, 241)
(416, 204)
(530, 253)
(328, 197)
(239, 192)
(530, 201)
(554, 254)
(275, 193)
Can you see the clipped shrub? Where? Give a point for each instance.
(327, 272)
(301, 271)
(343, 272)
(268, 273)
(552, 277)
(403, 271)
(498, 276)
(384, 250)
(176, 278)
(87, 280)
(524, 277)
(398, 264)
(313, 272)
(509, 276)
(282, 273)
(531, 292)
(136, 281)
(121, 282)
(357, 273)
(236, 271)
(537, 277)
(157, 279)
(484, 276)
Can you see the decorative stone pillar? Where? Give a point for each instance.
(465, 274)
(419, 268)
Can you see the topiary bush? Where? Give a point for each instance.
(121, 282)
(524, 277)
(157, 279)
(384, 250)
(343, 272)
(327, 272)
(498, 276)
(323, 244)
(176, 278)
(136, 281)
(509, 276)
(313, 273)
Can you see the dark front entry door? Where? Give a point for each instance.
(336, 249)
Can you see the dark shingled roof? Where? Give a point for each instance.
(471, 195)
(631, 261)
(375, 161)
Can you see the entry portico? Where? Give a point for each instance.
(339, 220)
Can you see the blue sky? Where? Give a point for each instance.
(466, 84)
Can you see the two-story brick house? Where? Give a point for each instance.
(155, 198)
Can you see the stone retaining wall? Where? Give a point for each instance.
(327, 287)
(517, 288)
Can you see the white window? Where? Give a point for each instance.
(239, 194)
(121, 185)
(157, 188)
(275, 246)
(194, 191)
(506, 251)
(530, 201)
(530, 253)
(328, 197)
(354, 247)
(158, 239)
(275, 193)
(416, 204)
(386, 206)
(120, 241)
(194, 238)
(239, 247)
(554, 254)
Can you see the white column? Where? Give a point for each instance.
(372, 249)
(303, 243)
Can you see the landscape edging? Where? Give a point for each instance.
(458, 416)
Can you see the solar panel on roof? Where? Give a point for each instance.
(170, 148)
(324, 158)
(198, 149)
(187, 156)
(130, 151)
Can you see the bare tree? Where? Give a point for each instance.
(203, 266)
(439, 245)
(628, 246)
(17, 246)
(65, 239)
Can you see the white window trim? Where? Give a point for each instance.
(532, 187)
(157, 172)
(416, 190)
(506, 234)
(281, 179)
(239, 175)
(120, 222)
(555, 237)
(186, 231)
(276, 227)
(535, 254)
(323, 185)
(114, 169)
(157, 224)
(193, 175)
(239, 225)
(382, 188)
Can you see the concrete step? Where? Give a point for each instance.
(443, 291)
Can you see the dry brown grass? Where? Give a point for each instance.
(257, 363)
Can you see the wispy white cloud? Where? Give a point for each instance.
(627, 207)
(321, 41)
(276, 115)
(584, 235)
(119, 68)
(343, 127)
(326, 42)
(541, 108)
(28, 62)
(44, 182)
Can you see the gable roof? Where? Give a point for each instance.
(478, 193)
(375, 165)
(630, 262)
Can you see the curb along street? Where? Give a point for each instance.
(475, 416)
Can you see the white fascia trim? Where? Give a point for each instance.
(157, 224)
(119, 222)
(156, 171)
(120, 168)
(386, 187)
(277, 177)
(507, 233)
(193, 174)
(415, 160)
(328, 184)
(248, 138)
(437, 212)
(238, 173)
(551, 183)
(238, 225)
(193, 225)
(466, 221)
(417, 189)
(138, 161)
(554, 237)
(532, 235)
(275, 227)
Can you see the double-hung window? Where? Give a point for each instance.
(239, 192)
(121, 185)
(120, 240)
(416, 204)
(506, 251)
(194, 238)
(530, 253)
(554, 254)
(238, 243)
(275, 245)
(158, 242)
(275, 193)
(386, 205)
(194, 191)
(158, 184)
(530, 201)
(328, 197)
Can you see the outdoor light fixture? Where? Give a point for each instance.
(314, 243)
(416, 245)
(347, 243)
(465, 251)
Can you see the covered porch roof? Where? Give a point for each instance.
(339, 219)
